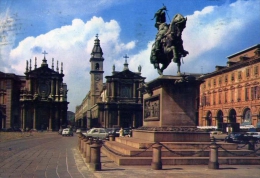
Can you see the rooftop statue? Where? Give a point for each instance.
(168, 43)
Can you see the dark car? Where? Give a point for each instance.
(237, 138)
(113, 131)
(127, 132)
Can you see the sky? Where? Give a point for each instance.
(66, 30)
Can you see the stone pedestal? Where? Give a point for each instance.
(171, 110)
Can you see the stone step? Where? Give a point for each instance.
(143, 144)
(119, 160)
(122, 149)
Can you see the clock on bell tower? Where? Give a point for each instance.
(96, 71)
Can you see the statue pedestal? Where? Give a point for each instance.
(171, 111)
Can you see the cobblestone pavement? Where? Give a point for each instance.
(47, 156)
(51, 155)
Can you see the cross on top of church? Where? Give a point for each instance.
(44, 52)
(125, 57)
(96, 35)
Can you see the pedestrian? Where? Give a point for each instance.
(121, 132)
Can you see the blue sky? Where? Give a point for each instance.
(66, 30)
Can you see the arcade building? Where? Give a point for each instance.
(231, 94)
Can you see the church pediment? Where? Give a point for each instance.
(127, 74)
(43, 71)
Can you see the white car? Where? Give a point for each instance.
(99, 133)
(67, 132)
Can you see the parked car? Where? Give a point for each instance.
(98, 133)
(237, 138)
(255, 135)
(113, 131)
(67, 132)
(127, 132)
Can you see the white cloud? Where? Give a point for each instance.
(218, 26)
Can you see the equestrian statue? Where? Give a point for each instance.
(168, 43)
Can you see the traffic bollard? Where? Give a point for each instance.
(157, 161)
(213, 157)
(95, 164)
(87, 152)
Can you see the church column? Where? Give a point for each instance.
(57, 119)
(118, 118)
(50, 119)
(24, 120)
(52, 88)
(61, 115)
(134, 120)
(57, 90)
(34, 117)
(3, 122)
(118, 90)
(112, 86)
(134, 91)
(105, 118)
(21, 117)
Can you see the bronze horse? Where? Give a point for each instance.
(170, 44)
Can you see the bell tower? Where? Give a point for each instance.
(96, 72)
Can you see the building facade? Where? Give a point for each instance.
(43, 99)
(231, 94)
(10, 85)
(115, 103)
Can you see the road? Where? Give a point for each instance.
(52, 156)
(49, 156)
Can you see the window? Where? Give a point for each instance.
(208, 100)
(254, 93)
(247, 94)
(214, 82)
(232, 77)
(239, 75)
(214, 98)
(219, 97)
(232, 95)
(226, 78)
(239, 94)
(256, 70)
(203, 100)
(97, 66)
(247, 72)
(226, 96)
(220, 80)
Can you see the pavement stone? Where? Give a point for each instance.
(51, 156)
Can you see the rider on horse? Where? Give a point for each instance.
(168, 44)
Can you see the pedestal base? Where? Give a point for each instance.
(178, 134)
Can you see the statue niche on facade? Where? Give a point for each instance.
(168, 43)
